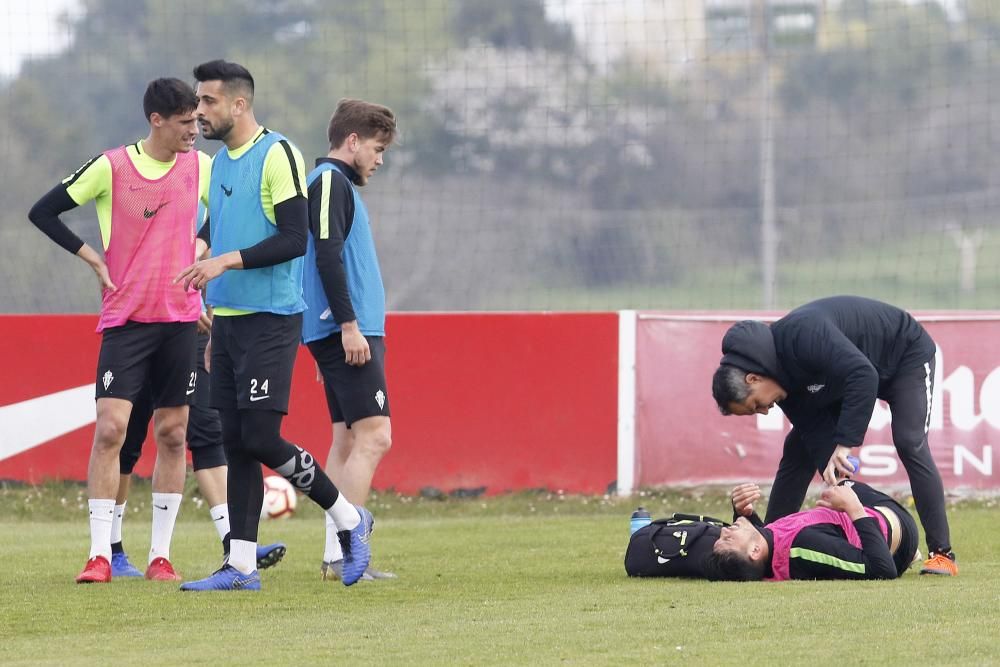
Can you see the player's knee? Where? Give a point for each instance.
(378, 442)
(260, 433)
(264, 446)
(109, 433)
(171, 436)
(257, 444)
(909, 443)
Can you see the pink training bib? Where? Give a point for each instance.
(152, 240)
(787, 528)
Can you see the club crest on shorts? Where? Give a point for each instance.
(380, 399)
(107, 379)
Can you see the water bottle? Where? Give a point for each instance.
(640, 518)
(853, 460)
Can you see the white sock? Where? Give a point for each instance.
(243, 555)
(102, 512)
(332, 552)
(165, 507)
(344, 514)
(116, 523)
(220, 517)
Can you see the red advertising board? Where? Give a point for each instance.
(509, 401)
(499, 402)
(681, 438)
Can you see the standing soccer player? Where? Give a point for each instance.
(344, 326)
(208, 458)
(147, 197)
(258, 222)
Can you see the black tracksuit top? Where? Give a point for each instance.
(832, 357)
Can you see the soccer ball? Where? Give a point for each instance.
(279, 498)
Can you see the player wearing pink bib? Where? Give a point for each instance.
(856, 532)
(152, 239)
(146, 196)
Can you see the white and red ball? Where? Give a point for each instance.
(279, 498)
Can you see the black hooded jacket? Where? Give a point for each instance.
(832, 357)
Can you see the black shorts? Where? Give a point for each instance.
(204, 430)
(352, 392)
(253, 357)
(155, 356)
(202, 390)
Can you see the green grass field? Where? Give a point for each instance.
(528, 579)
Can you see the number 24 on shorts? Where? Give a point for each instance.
(258, 392)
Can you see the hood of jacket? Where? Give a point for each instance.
(749, 345)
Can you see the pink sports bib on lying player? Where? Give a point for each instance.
(787, 528)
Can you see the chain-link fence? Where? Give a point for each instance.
(567, 154)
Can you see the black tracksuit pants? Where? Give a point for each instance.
(909, 397)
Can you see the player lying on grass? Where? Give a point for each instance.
(855, 532)
(825, 364)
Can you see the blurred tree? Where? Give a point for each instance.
(898, 53)
(305, 55)
(299, 52)
(893, 76)
(506, 124)
(514, 24)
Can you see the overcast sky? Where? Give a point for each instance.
(31, 29)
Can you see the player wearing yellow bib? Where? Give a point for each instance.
(147, 196)
(258, 222)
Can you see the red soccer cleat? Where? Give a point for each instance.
(96, 571)
(161, 570)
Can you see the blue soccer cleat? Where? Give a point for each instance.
(226, 578)
(269, 555)
(121, 567)
(334, 569)
(357, 553)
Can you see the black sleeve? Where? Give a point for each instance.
(754, 518)
(45, 215)
(825, 348)
(878, 558)
(330, 243)
(822, 552)
(205, 232)
(292, 219)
